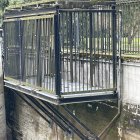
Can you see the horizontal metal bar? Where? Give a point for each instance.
(30, 18)
(86, 10)
(88, 92)
(105, 97)
(64, 99)
(29, 13)
(47, 12)
(96, 93)
(92, 2)
(104, 54)
(127, 2)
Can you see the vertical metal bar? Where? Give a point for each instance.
(94, 46)
(5, 48)
(67, 50)
(63, 29)
(75, 47)
(102, 47)
(98, 48)
(106, 44)
(23, 25)
(91, 49)
(78, 32)
(39, 69)
(20, 49)
(57, 54)
(109, 49)
(83, 49)
(114, 41)
(87, 15)
(71, 46)
(33, 49)
(48, 52)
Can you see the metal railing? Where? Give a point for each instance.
(30, 51)
(87, 40)
(131, 26)
(130, 21)
(65, 52)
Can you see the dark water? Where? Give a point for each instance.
(96, 117)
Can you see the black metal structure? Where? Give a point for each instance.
(62, 55)
(51, 114)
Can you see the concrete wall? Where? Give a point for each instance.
(28, 125)
(2, 103)
(131, 83)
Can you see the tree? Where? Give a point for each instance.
(131, 21)
(3, 4)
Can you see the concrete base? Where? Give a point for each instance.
(2, 102)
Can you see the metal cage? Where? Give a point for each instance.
(62, 55)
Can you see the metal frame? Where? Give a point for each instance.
(55, 99)
(59, 98)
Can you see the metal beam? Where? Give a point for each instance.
(55, 99)
(31, 18)
(29, 13)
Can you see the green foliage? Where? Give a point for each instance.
(131, 21)
(3, 4)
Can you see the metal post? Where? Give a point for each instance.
(57, 54)
(114, 47)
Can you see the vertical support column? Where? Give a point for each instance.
(2, 102)
(114, 46)
(57, 54)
